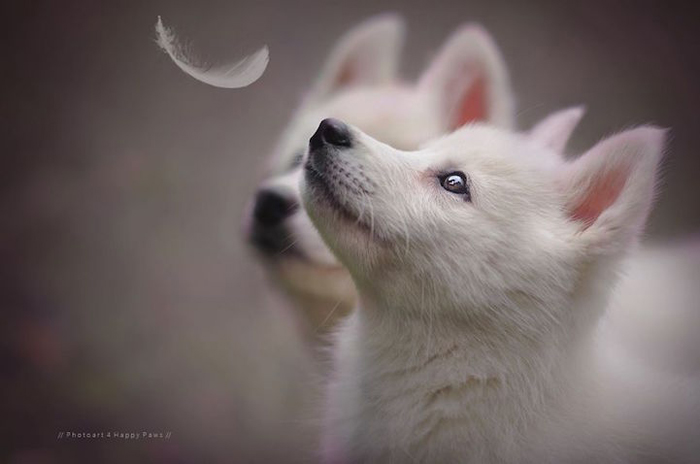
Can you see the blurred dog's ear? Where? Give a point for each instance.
(609, 190)
(470, 80)
(368, 54)
(555, 130)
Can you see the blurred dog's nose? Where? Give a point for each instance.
(268, 232)
(272, 207)
(331, 132)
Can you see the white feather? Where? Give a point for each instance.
(228, 76)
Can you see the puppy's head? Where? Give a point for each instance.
(482, 219)
(467, 81)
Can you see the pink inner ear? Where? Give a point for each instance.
(602, 193)
(473, 105)
(346, 75)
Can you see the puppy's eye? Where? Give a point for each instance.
(455, 182)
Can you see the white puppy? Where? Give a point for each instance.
(484, 263)
(467, 81)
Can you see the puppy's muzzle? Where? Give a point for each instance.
(331, 136)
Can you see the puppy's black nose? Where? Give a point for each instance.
(331, 132)
(271, 208)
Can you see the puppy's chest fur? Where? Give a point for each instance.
(432, 399)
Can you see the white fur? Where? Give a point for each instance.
(358, 83)
(555, 130)
(656, 306)
(478, 336)
(468, 55)
(368, 55)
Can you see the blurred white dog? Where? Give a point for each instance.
(467, 81)
(484, 263)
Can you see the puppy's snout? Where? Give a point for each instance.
(272, 207)
(331, 132)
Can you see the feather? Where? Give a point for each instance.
(227, 76)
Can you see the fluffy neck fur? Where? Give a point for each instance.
(437, 389)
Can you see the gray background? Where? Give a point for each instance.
(129, 300)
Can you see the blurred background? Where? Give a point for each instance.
(130, 302)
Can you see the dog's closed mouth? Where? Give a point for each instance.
(318, 181)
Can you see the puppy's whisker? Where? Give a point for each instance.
(288, 247)
(371, 222)
(409, 455)
(362, 211)
(407, 236)
(335, 308)
(428, 345)
(367, 203)
(528, 109)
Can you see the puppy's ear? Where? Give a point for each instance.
(368, 54)
(555, 130)
(609, 190)
(470, 80)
